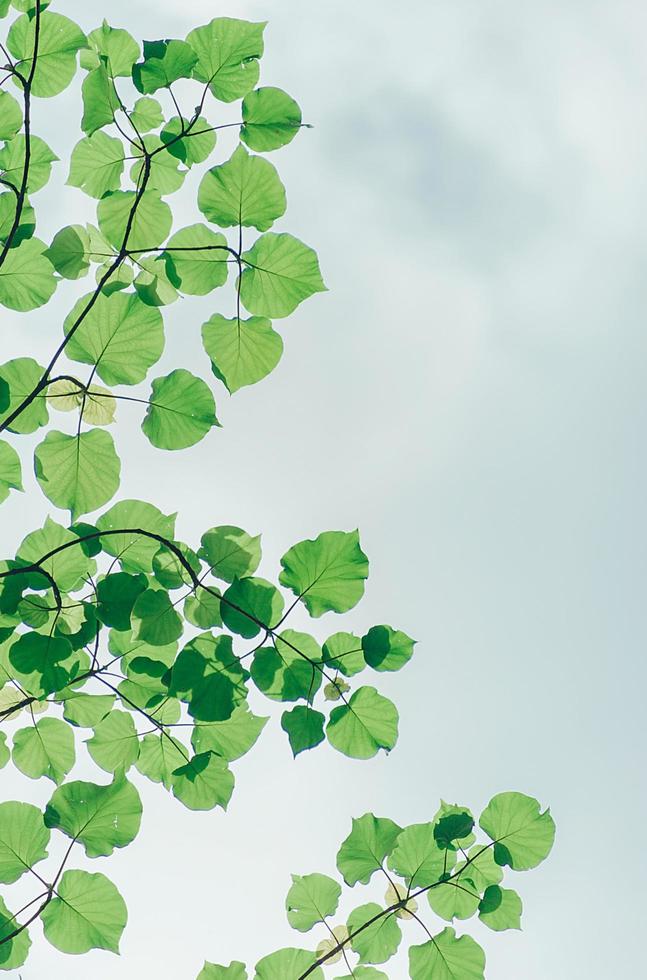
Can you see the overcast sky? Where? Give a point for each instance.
(471, 394)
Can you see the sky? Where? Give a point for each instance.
(470, 394)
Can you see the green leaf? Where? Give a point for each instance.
(203, 609)
(135, 551)
(387, 649)
(78, 473)
(69, 252)
(235, 971)
(304, 727)
(246, 190)
(164, 62)
(27, 224)
(228, 51)
(196, 260)
(311, 899)
(86, 710)
(379, 941)
(500, 908)
(327, 573)
(242, 352)
(196, 146)
(97, 164)
(43, 662)
(12, 162)
(150, 226)
(250, 604)
(120, 335)
(116, 596)
(418, 858)
(59, 40)
(287, 963)
(447, 958)
(23, 840)
(170, 571)
(100, 817)
(210, 677)
(88, 913)
(232, 738)
(22, 375)
(482, 868)
(455, 899)
(154, 618)
(146, 115)
(524, 836)
(10, 471)
(180, 412)
(368, 723)
(153, 284)
(69, 567)
(364, 850)
(10, 116)
(282, 272)
(365, 973)
(343, 651)
(117, 46)
(5, 754)
(453, 827)
(13, 952)
(46, 749)
(230, 552)
(27, 278)
(100, 100)
(288, 672)
(114, 744)
(203, 783)
(164, 174)
(271, 119)
(159, 757)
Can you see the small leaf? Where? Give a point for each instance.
(197, 258)
(228, 51)
(117, 46)
(387, 649)
(181, 411)
(69, 252)
(311, 899)
(270, 119)
(46, 749)
(10, 470)
(304, 726)
(242, 352)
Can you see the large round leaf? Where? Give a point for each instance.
(242, 352)
(58, 43)
(78, 473)
(281, 273)
(368, 723)
(87, 913)
(246, 190)
(27, 278)
(181, 411)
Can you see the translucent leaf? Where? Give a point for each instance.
(114, 744)
(97, 164)
(97, 405)
(117, 46)
(524, 836)
(86, 710)
(281, 273)
(23, 840)
(447, 958)
(338, 934)
(13, 952)
(153, 284)
(12, 162)
(197, 260)
(10, 470)
(228, 51)
(311, 899)
(78, 473)
(250, 603)
(203, 783)
(69, 252)
(164, 62)
(164, 173)
(378, 942)
(203, 609)
(150, 226)
(482, 868)
(43, 664)
(159, 757)
(304, 727)
(10, 116)
(195, 146)
(232, 738)
(242, 352)
(288, 671)
(100, 100)
(455, 899)
(120, 335)
(244, 191)
(27, 224)
(5, 753)
(364, 850)
(69, 567)
(270, 119)
(230, 552)
(46, 749)
(235, 971)
(343, 651)
(209, 676)
(59, 40)
(500, 908)
(88, 913)
(398, 893)
(146, 115)
(181, 411)
(100, 817)
(327, 573)
(154, 618)
(417, 857)
(287, 963)
(27, 278)
(387, 649)
(135, 551)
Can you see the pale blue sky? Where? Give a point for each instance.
(471, 394)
